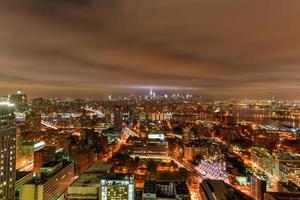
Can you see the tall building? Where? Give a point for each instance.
(118, 120)
(117, 187)
(258, 188)
(7, 151)
(43, 156)
(51, 183)
(20, 158)
(189, 152)
(186, 135)
(19, 100)
(33, 122)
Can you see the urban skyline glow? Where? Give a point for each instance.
(88, 48)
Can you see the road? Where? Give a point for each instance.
(194, 189)
(114, 149)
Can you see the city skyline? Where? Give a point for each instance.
(94, 48)
(149, 100)
(148, 147)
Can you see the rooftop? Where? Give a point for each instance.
(151, 187)
(117, 177)
(222, 190)
(99, 167)
(51, 164)
(21, 174)
(93, 175)
(283, 195)
(88, 180)
(40, 180)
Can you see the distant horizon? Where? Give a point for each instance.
(143, 93)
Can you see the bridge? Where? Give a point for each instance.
(130, 132)
(98, 112)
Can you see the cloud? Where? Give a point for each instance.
(220, 47)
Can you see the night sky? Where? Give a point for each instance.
(89, 48)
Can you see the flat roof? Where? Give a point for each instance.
(21, 174)
(115, 176)
(44, 179)
(222, 190)
(88, 180)
(51, 164)
(99, 167)
(283, 195)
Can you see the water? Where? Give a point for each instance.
(264, 117)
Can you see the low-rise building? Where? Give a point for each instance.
(160, 190)
(117, 187)
(150, 149)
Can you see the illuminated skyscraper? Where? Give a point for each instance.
(151, 92)
(7, 151)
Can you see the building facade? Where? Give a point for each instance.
(51, 183)
(258, 187)
(7, 151)
(117, 187)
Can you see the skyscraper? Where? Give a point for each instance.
(19, 100)
(118, 120)
(7, 151)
